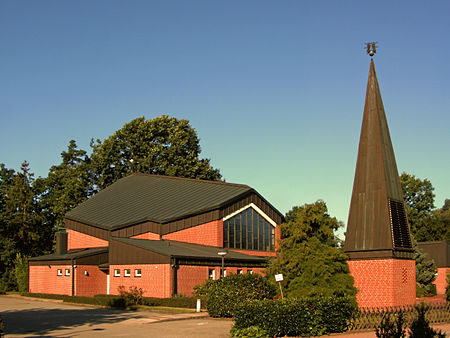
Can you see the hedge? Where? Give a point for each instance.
(297, 317)
(117, 301)
(225, 294)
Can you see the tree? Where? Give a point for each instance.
(435, 226)
(419, 199)
(67, 184)
(425, 272)
(308, 254)
(22, 225)
(163, 145)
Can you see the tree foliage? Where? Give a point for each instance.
(419, 199)
(309, 257)
(23, 229)
(425, 271)
(435, 226)
(67, 184)
(163, 146)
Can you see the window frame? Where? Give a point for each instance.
(127, 272)
(67, 273)
(59, 272)
(138, 274)
(116, 272)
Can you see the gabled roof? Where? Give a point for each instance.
(187, 250)
(142, 197)
(377, 224)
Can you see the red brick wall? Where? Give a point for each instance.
(148, 235)
(45, 279)
(441, 280)
(189, 276)
(94, 283)
(206, 234)
(384, 282)
(155, 281)
(78, 240)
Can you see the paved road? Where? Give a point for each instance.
(28, 317)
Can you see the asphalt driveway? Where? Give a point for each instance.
(28, 317)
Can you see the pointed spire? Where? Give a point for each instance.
(377, 225)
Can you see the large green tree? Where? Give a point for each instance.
(308, 255)
(67, 184)
(419, 199)
(163, 145)
(22, 226)
(435, 226)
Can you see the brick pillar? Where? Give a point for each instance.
(384, 282)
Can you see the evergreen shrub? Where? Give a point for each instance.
(420, 327)
(297, 317)
(225, 294)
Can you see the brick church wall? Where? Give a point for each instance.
(210, 233)
(45, 279)
(94, 283)
(78, 240)
(147, 235)
(441, 280)
(384, 282)
(155, 279)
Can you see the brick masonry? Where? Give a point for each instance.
(155, 280)
(384, 282)
(148, 235)
(210, 233)
(45, 279)
(78, 240)
(89, 281)
(441, 280)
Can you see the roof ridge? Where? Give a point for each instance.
(190, 179)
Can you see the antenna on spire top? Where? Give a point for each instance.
(371, 48)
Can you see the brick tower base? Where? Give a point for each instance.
(384, 282)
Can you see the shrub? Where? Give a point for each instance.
(20, 272)
(391, 329)
(420, 327)
(131, 297)
(297, 317)
(225, 294)
(252, 331)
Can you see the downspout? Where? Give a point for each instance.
(174, 277)
(73, 277)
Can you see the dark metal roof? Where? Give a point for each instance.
(187, 250)
(377, 224)
(72, 254)
(140, 197)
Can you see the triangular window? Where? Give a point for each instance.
(248, 230)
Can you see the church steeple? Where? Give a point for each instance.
(377, 224)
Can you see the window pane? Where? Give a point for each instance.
(261, 233)
(244, 235)
(267, 227)
(225, 234)
(231, 233)
(237, 234)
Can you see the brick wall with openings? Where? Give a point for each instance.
(148, 235)
(384, 282)
(45, 279)
(210, 233)
(89, 281)
(78, 240)
(155, 279)
(441, 280)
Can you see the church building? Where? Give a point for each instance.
(159, 233)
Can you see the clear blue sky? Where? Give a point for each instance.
(275, 89)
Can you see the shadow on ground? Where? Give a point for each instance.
(42, 321)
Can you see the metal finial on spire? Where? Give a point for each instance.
(371, 48)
